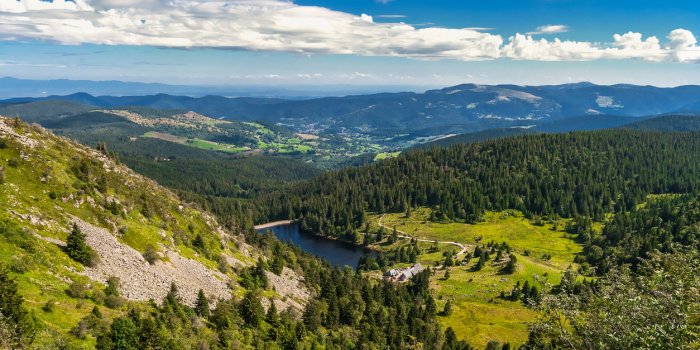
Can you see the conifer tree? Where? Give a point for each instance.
(201, 307)
(78, 250)
(447, 310)
(17, 325)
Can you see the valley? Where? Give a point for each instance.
(497, 217)
(349, 175)
(479, 312)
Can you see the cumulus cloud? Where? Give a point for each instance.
(550, 29)
(281, 25)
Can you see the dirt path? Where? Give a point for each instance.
(404, 235)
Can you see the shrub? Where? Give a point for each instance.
(20, 264)
(151, 254)
(112, 286)
(114, 302)
(49, 306)
(98, 296)
(77, 289)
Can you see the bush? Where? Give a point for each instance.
(114, 302)
(49, 306)
(98, 296)
(151, 254)
(20, 264)
(112, 286)
(77, 290)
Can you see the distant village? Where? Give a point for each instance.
(403, 275)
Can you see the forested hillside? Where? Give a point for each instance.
(646, 295)
(565, 175)
(96, 256)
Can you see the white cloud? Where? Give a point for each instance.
(281, 25)
(391, 16)
(550, 29)
(626, 46)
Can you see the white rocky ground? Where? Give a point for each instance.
(143, 281)
(290, 286)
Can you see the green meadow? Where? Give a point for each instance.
(478, 313)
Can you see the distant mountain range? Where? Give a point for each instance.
(452, 110)
(13, 87)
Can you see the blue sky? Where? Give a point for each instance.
(353, 42)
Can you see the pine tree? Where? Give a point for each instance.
(16, 322)
(251, 309)
(272, 318)
(447, 310)
(78, 250)
(173, 298)
(201, 307)
(512, 264)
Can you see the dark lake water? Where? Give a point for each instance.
(338, 253)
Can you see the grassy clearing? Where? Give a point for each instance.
(196, 143)
(386, 155)
(479, 315)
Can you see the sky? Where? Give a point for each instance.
(353, 42)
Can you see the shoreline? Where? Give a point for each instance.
(330, 238)
(273, 224)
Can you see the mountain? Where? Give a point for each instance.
(50, 184)
(586, 122)
(13, 87)
(477, 136)
(459, 109)
(668, 123)
(95, 256)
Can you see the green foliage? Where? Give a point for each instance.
(653, 308)
(251, 309)
(151, 254)
(512, 264)
(77, 289)
(201, 307)
(447, 309)
(112, 286)
(17, 326)
(49, 306)
(566, 175)
(78, 250)
(659, 224)
(123, 335)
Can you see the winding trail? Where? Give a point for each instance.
(404, 235)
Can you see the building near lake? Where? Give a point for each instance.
(403, 275)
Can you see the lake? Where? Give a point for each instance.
(338, 253)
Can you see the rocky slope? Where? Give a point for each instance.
(48, 183)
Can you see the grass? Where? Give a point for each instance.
(479, 315)
(45, 205)
(196, 143)
(386, 155)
